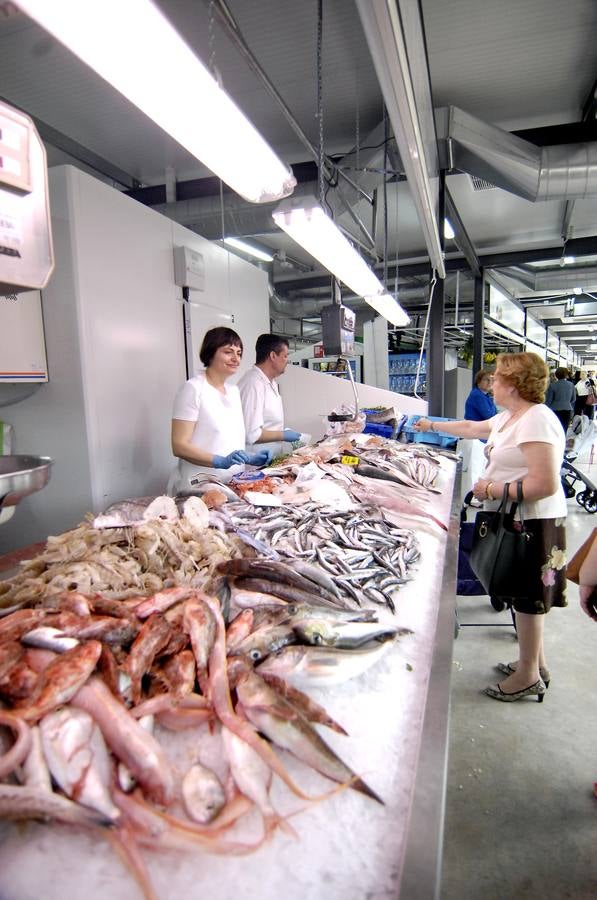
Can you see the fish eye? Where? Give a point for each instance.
(317, 638)
(255, 655)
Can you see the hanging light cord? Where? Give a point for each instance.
(418, 375)
(320, 164)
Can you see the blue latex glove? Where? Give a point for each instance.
(236, 458)
(291, 436)
(263, 458)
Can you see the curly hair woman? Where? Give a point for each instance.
(525, 443)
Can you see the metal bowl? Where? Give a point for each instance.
(22, 475)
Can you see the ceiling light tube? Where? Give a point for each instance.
(448, 230)
(136, 50)
(249, 249)
(307, 224)
(303, 219)
(387, 307)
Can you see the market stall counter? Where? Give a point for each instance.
(373, 832)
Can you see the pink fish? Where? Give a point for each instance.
(60, 681)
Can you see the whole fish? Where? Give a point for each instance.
(311, 710)
(320, 666)
(273, 571)
(78, 759)
(60, 681)
(25, 802)
(263, 641)
(47, 638)
(251, 775)
(345, 635)
(153, 637)
(137, 749)
(137, 511)
(202, 794)
(278, 720)
(199, 624)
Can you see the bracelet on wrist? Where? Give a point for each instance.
(488, 492)
(431, 426)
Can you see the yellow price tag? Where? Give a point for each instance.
(350, 460)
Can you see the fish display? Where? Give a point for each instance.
(162, 617)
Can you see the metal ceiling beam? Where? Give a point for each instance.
(461, 237)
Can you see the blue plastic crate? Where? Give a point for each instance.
(381, 430)
(438, 438)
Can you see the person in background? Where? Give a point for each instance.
(525, 443)
(479, 403)
(260, 397)
(560, 397)
(208, 430)
(583, 386)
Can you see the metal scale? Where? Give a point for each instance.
(26, 263)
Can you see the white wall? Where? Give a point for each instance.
(310, 396)
(115, 347)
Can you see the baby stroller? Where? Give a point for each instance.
(587, 498)
(467, 583)
(578, 437)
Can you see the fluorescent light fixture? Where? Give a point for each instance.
(577, 291)
(136, 50)
(303, 219)
(448, 231)
(387, 307)
(249, 249)
(568, 260)
(383, 30)
(307, 224)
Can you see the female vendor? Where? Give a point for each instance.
(208, 431)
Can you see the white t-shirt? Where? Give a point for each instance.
(262, 409)
(506, 460)
(219, 426)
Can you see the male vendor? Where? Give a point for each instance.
(262, 405)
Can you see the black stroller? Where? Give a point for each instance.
(467, 583)
(587, 498)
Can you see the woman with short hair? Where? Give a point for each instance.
(525, 444)
(208, 429)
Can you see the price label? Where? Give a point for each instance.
(350, 460)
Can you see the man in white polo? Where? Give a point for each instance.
(262, 405)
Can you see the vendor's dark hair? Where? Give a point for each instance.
(561, 373)
(216, 338)
(268, 343)
(481, 374)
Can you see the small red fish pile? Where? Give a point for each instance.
(90, 687)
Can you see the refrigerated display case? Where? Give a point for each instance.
(402, 370)
(329, 365)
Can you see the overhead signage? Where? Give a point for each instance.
(535, 330)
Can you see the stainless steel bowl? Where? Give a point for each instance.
(22, 475)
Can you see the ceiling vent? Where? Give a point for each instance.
(480, 185)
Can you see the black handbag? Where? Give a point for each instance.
(501, 555)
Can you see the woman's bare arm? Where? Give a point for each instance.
(183, 447)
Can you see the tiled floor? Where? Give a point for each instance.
(521, 819)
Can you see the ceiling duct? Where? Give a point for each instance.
(559, 172)
(523, 283)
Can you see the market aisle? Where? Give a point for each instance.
(521, 820)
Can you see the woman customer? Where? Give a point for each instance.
(525, 443)
(208, 429)
(479, 403)
(560, 397)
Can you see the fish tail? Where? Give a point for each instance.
(127, 849)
